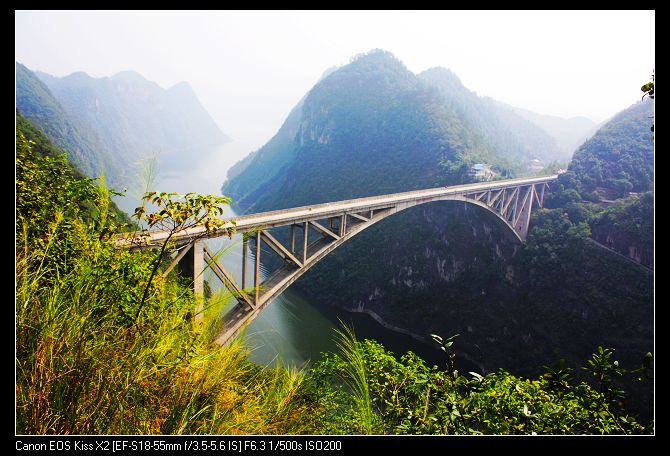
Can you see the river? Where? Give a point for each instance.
(291, 331)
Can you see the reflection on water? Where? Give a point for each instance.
(291, 330)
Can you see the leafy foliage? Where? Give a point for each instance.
(409, 397)
(88, 362)
(176, 214)
(648, 90)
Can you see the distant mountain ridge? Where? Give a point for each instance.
(512, 135)
(36, 102)
(569, 133)
(122, 119)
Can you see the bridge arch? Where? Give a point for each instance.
(511, 201)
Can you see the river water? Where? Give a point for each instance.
(292, 330)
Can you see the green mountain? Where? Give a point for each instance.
(372, 121)
(119, 121)
(428, 128)
(372, 127)
(620, 155)
(512, 135)
(569, 133)
(615, 168)
(36, 102)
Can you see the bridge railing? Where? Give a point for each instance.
(511, 200)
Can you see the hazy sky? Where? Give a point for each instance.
(250, 68)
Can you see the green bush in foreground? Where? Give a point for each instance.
(405, 396)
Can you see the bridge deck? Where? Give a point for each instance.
(510, 200)
(321, 211)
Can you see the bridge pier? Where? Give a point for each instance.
(257, 269)
(511, 201)
(191, 265)
(245, 255)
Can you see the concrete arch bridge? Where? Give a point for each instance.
(333, 223)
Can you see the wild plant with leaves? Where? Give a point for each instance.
(176, 214)
(405, 396)
(85, 362)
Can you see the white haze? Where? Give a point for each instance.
(250, 68)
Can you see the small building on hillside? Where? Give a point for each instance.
(481, 171)
(535, 165)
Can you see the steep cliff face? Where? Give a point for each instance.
(628, 228)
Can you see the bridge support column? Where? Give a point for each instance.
(191, 265)
(523, 222)
(305, 233)
(257, 269)
(245, 254)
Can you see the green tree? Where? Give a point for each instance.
(648, 90)
(175, 214)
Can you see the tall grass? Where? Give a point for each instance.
(84, 365)
(83, 368)
(354, 376)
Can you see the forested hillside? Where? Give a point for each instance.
(111, 125)
(620, 156)
(610, 184)
(372, 127)
(512, 136)
(85, 148)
